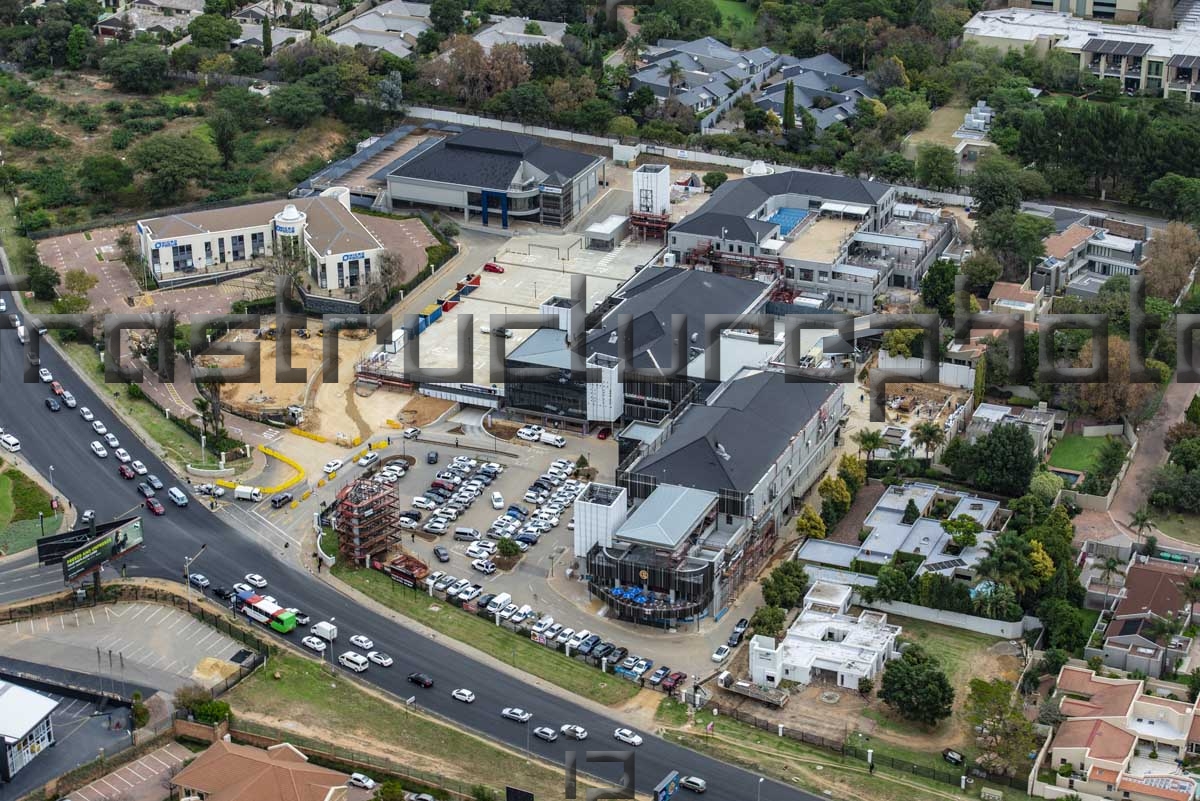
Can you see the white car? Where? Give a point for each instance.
(122, 456)
(409, 523)
(332, 466)
(86, 414)
(242, 587)
(112, 440)
(421, 502)
(471, 593)
(98, 426)
(508, 611)
(484, 566)
(528, 436)
(68, 400)
(411, 433)
(45, 375)
(464, 695)
(543, 624)
(721, 654)
(628, 736)
(98, 448)
(255, 580)
(139, 468)
(564, 635)
(315, 644)
(361, 780)
(380, 658)
(362, 641)
(476, 552)
(487, 546)
(457, 587)
(574, 732)
(516, 713)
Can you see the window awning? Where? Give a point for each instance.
(846, 208)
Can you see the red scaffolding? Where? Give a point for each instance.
(649, 226)
(366, 520)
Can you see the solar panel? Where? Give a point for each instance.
(1112, 47)
(946, 565)
(1184, 62)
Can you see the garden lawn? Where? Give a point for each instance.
(340, 714)
(21, 499)
(1185, 527)
(499, 643)
(733, 11)
(1075, 452)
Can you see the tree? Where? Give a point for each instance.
(391, 91)
(390, 790)
(481, 793)
(937, 166)
(673, 71)
(981, 271)
(1192, 414)
(866, 686)
(714, 179)
(247, 60)
(853, 471)
(1111, 567)
(216, 64)
(622, 127)
(809, 524)
(785, 586)
(225, 131)
(172, 161)
(136, 67)
(1006, 561)
(104, 175)
(1015, 240)
(213, 32)
(928, 435)
(915, 687)
(768, 621)
(1005, 460)
(996, 185)
(446, 16)
(937, 288)
(508, 549)
(1040, 561)
(1170, 256)
(79, 42)
(912, 513)
(868, 441)
(79, 281)
(898, 342)
(996, 713)
(1116, 396)
(835, 499)
(1141, 522)
(789, 107)
(296, 104)
(963, 530)
(1064, 624)
(1046, 485)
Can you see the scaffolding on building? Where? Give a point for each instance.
(647, 225)
(366, 519)
(709, 254)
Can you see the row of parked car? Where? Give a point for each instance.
(450, 495)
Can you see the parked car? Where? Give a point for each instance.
(439, 551)
(361, 780)
(492, 267)
(721, 654)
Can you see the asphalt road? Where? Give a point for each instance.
(62, 439)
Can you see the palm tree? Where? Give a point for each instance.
(903, 463)
(1006, 561)
(1191, 592)
(1139, 521)
(673, 72)
(928, 435)
(632, 49)
(1113, 567)
(1159, 629)
(868, 440)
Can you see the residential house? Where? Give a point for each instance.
(283, 9)
(229, 772)
(1152, 594)
(830, 95)
(393, 26)
(1120, 742)
(711, 71)
(826, 643)
(520, 31)
(1041, 423)
(1006, 297)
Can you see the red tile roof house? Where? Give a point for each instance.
(230, 772)
(1153, 591)
(1111, 728)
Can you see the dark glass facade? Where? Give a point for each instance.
(672, 590)
(558, 398)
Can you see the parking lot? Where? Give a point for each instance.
(535, 269)
(140, 780)
(146, 644)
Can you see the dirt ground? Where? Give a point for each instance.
(502, 429)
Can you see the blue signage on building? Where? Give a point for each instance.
(285, 229)
(353, 256)
(166, 243)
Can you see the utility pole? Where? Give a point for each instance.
(187, 571)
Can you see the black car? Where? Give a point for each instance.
(441, 553)
(602, 650)
(735, 639)
(618, 656)
(421, 679)
(741, 626)
(281, 500)
(53, 405)
(224, 593)
(412, 514)
(431, 457)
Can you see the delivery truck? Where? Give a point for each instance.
(325, 630)
(245, 493)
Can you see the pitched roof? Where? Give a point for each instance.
(1060, 245)
(1102, 739)
(667, 516)
(733, 439)
(490, 159)
(737, 199)
(1156, 588)
(654, 295)
(1006, 290)
(229, 772)
(20, 710)
(1104, 697)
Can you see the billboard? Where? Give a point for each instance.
(517, 794)
(53, 548)
(104, 548)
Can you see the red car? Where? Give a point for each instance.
(155, 506)
(126, 471)
(492, 267)
(605, 433)
(56, 388)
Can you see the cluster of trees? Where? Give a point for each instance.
(837, 496)
(1001, 461)
(1176, 485)
(198, 702)
(1006, 737)
(782, 590)
(916, 688)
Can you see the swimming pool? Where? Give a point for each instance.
(1069, 477)
(788, 219)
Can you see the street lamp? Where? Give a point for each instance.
(760, 781)
(187, 571)
(528, 724)
(51, 475)
(42, 522)
(329, 648)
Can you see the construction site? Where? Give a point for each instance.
(365, 517)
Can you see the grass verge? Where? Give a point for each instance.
(21, 498)
(1075, 452)
(305, 696)
(499, 643)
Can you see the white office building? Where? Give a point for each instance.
(600, 510)
(25, 726)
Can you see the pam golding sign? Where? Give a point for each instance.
(285, 229)
(353, 256)
(166, 243)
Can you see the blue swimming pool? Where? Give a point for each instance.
(788, 219)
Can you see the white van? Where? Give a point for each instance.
(356, 662)
(578, 638)
(177, 497)
(499, 602)
(21, 335)
(553, 439)
(10, 443)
